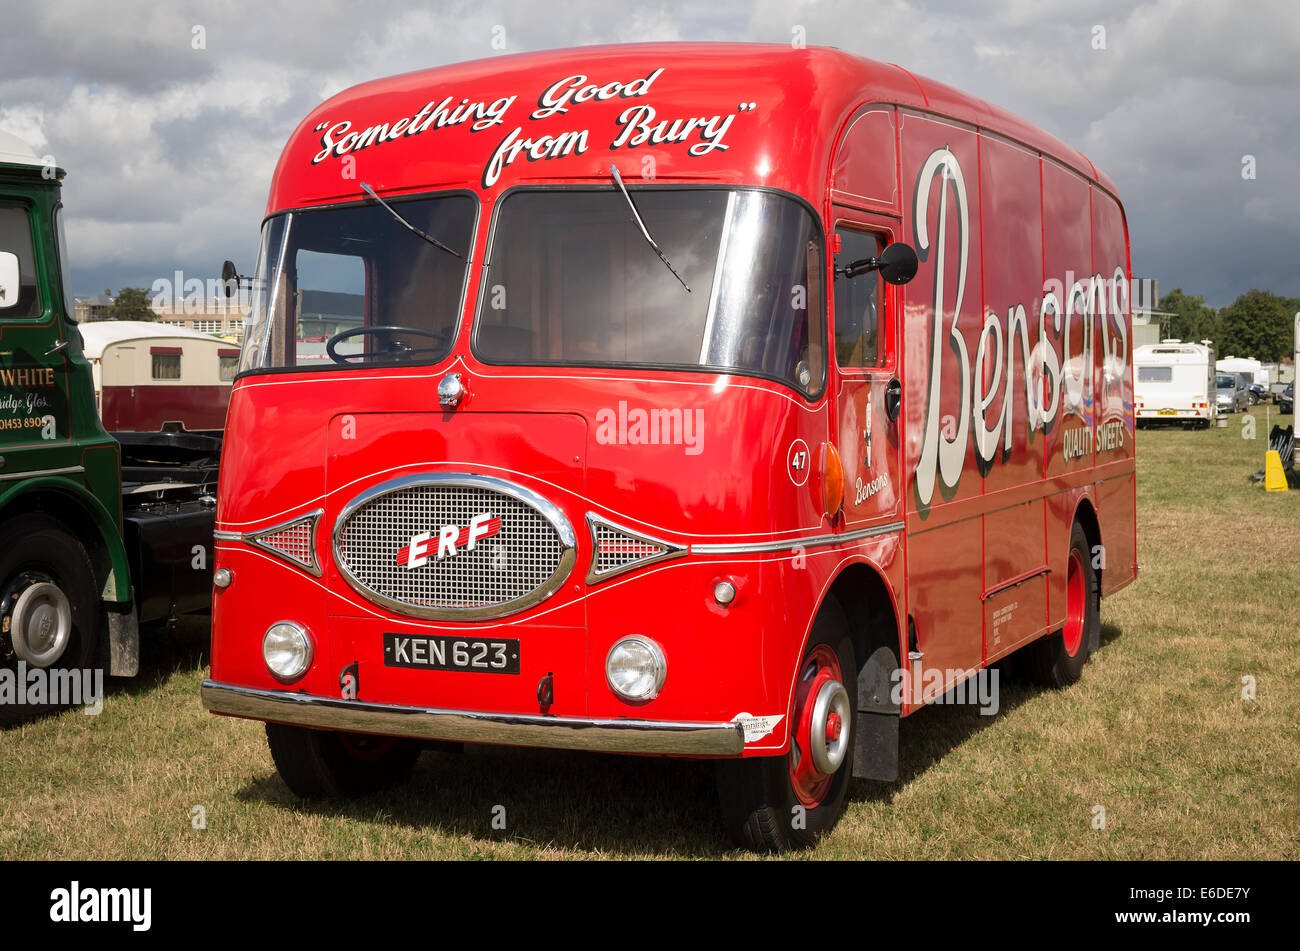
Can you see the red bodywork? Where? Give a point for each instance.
(973, 552)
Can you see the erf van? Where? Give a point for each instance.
(631, 434)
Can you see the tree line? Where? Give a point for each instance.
(1258, 324)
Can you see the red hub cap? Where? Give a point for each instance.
(833, 726)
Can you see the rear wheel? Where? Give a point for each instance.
(316, 764)
(49, 615)
(1057, 660)
(777, 803)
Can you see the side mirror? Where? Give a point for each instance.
(229, 279)
(898, 263)
(10, 280)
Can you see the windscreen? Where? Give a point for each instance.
(353, 286)
(573, 280)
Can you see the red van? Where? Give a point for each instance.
(698, 400)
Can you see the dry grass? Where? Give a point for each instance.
(1157, 733)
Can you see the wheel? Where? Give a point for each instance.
(49, 615)
(777, 803)
(320, 763)
(1057, 660)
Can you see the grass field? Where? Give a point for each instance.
(1157, 733)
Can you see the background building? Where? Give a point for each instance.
(221, 317)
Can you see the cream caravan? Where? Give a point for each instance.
(148, 376)
(1174, 383)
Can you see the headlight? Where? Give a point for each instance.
(287, 650)
(635, 669)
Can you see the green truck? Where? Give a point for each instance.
(97, 534)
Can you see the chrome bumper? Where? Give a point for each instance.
(459, 726)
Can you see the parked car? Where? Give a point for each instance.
(1258, 394)
(1233, 397)
(1286, 399)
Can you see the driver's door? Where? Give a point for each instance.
(863, 348)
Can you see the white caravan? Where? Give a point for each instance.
(1173, 382)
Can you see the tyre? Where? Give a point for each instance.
(1057, 660)
(778, 803)
(317, 764)
(50, 615)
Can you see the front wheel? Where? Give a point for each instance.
(778, 803)
(49, 616)
(1057, 660)
(317, 764)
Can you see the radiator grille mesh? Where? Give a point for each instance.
(615, 549)
(511, 564)
(292, 542)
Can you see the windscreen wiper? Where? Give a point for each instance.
(618, 180)
(410, 227)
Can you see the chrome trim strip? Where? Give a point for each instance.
(222, 535)
(789, 544)
(545, 507)
(674, 738)
(33, 473)
(671, 550)
(313, 567)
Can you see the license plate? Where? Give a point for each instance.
(435, 652)
(1169, 412)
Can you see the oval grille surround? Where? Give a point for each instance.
(518, 566)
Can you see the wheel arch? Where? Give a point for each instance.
(86, 517)
(862, 592)
(1085, 515)
(875, 629)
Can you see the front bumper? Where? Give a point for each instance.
(460, 726)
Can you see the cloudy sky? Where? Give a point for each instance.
(170, 149)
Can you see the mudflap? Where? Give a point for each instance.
(123, 642)
(875, 728)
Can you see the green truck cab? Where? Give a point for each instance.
(84, 559)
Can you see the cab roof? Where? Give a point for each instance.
(377, 133)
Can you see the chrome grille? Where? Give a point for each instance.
(293, 541)
(524, 561)
(616, 548)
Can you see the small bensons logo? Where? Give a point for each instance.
(77, 904)
(37, 686)
(450, 539)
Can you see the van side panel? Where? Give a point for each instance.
(940, 164)
(1067, 262)
(1116, 489)
(1015, 536)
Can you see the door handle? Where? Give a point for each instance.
(57, 348)
(893, 399)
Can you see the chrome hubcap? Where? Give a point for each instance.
(41, 624)
(830, 741)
